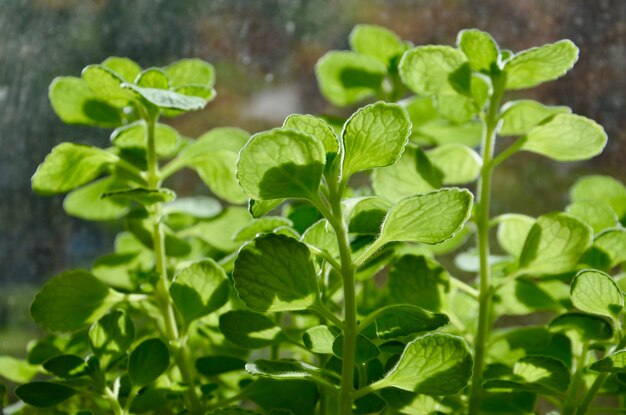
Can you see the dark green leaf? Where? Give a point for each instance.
(216, 365)
(65, 366)
(261, 226)
(284, 397)
(365, 350)
(320, 339)
(402, 320)
(249, 330)
(142, 195)
(111, 336)
(587, 327)
(291, 369)
(420, 281)
(43, 394)
(614, 363)
(148, 361)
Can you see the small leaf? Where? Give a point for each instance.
(291, 369)
(86, 202)
(347, 77)
(458, 163)
(65, 366)
(72, 300)
(217, 365)
(442, 131)
(519, 117)
(199, 289)
(374, 136)
(433, 364)
(425, 69)
(275, 273)
(202, 207)
(396, 321)
(538, 374)
(261, 226)
(142, 195)
(322, 236)
(125, 68)
(169, 99)
(614, 363)
(597, 214)
(17, 370)
(365, 350)
(44, 394)
(419, 281)
(366, 214)
(566, 137)
(479, 47)
(601, 188)
(596, 293)
(377, 42)
(249, 330)
(554, 244)
(69, 166)
(317, 128)
(166, 138)
(148, 361)
(587, 327)
(428, 218)
(153, 78)
(190, 71)
(534, 66)
(612, 242)
(111, 337)
(281, 163)
(320, 339)
(106, 84)
(218, 174)
(218, 231)
(512, 232)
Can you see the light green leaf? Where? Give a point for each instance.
(612, 242)
(522, 297)
(72, 300)
(202, 207)
(169, 99)
(596, 293)
(119, 270)
(539, 374)
(68, 166)
(554, 244)
(125, 68)
(601, 188)
(566, 137)
(322, 236)
(586, 327)
(75, 103)
(364, 351)
(377, 42)
(425, 69)
(217, 139)
(291, 369)
(614, 363)
(142, 195)
(249, 330)
(275, 273)
(320, 339)
(413, 173)
(44, 394)
(166, 138)
(190, 71)
(347, 77)
(199, 289)
(317, 128)
(428, 218)
(111, 337)
(218, 231)
(153, 78)
(433, 364)
(218, 174)
(16, 370)
(596, 213)
(479, 47)
(106, 84)
(458, 163)
(541, 64)
(148, 361)
(513, 230)
(456, 107)
(365, 215)
(420, 281)
(374, 136)
(140, 225)
(87, 202)
(519, 117)
(261, 226)
(281, 163)
(259, 208)
(397, 321)
(442, 131)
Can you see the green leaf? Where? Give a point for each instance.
(281, 163)
(442, 131)
(420, 281)
(540, 374)
(249, 330)
(597, 214)
(458, 163)
(153, 78)
(521, 297)
(148, 361)
(291, 369)
(601, 188)
(261, 226)
(125, 68)
(365, 215)
(479, 47)
(87, 202)
(377, 42)
(614, 363)
(218, 231)
(169, 99)
(166, 138)
(411, 404)
(456, 107)
(217, 365)
(75, 103)
(106, 84)
(374, 136)
(72, 300)
(413, 173)
(586, 327)
(347, 77)
(284, 397)
(433, 364)
(142, 195)
(69, 166)
(429, 218)
(322, 236)
(140, 225)
(202, 207)
(16, 370)
(111, 337)
(612, 243)
(396, 321)
(199, 289)
(275, 273)
(519, 117)
(566, 137)
(596, 293)
(534, 66)
(190, 71)
(425, 69)
(513, 230)
(554, 244)
(66, 366)
(43, 394)
(317, 128)
(365, 350)
(320, 339)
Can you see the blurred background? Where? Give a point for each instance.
(264, 52)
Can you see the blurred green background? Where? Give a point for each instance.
(264, 52)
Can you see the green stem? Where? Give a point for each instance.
(162, 289)
(569, 406)
(111, 398)
(482, 236)
(591, 394)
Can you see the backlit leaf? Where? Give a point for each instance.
(595, 292)
(519, 117)
(377, 42)
(249, 330)
(425, 69)
(479, 47)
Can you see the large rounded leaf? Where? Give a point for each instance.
(426, 69)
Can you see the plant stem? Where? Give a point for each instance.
(111, 398)
(569, 406)
(591, 394)
(162, 289)
(482, 228)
